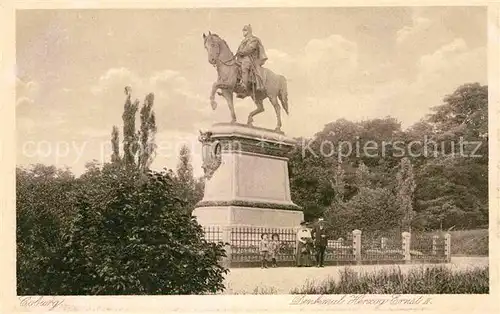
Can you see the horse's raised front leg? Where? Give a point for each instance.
(228, 95)
(213, 103)
(260, 108)
(277, 108)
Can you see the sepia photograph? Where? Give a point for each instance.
(333, 151)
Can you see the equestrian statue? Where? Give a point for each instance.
(244, 75)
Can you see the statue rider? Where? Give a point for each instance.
(251, 55)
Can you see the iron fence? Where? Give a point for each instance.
(213, 233)
(425, 246)
(382, 246)
(341, 249)
(375, 247)
(245, 243)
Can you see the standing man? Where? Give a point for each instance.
(320, 242)
(251, 54)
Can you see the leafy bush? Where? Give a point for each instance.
(43, 213)
(129, 236)
(428, 280)
(369, 210)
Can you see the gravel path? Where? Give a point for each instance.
(282, 280)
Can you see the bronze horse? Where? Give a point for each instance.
(221, 57)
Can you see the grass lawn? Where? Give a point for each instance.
(421, 280)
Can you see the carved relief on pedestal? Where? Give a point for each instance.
(211, 154)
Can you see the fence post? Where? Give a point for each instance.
(383, 243)
(435, 239)
(406, 246)
(447, 247)
(226, 239)
(296, 245)
(356, 245)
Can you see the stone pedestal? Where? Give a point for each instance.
(247, 181)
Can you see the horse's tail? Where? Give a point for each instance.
(283, 93)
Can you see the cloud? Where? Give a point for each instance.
(114, 78)
(323, 64)
(420, 25)
(177, 106)
(26, 92)
(32, 115)
(24, 101)
(334, 50)
(329, 61)
(451, 57)
(170, 83)
(438, 73)
(280, 62)
(362, 93)
(439, 56)
(167, 78)
(452, 65)
(431, 29)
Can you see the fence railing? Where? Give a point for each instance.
(245, 241)
(381, 246)
(213, 233)
(424, 246)
(356, 247)
(341, 249)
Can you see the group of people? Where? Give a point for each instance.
(310, 246)
(269, 249)
(311, 242)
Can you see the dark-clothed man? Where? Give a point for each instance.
(320, 242)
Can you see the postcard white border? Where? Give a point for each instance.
(9, 302)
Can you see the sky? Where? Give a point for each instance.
(352, 63)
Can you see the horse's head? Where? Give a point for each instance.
(211, 42)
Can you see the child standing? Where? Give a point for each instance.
(264, 249)
(274, 246)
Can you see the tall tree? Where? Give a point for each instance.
(339, 183)
(186, 179)
(130, 145)
(184, 167)
(405, 189)
(456, 188)
(147, 133)
(139, 148)
(452, 187)
(310, 181)
(463, 116)
(115, 145)
(362, 175)
(466, 106)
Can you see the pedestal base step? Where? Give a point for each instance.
(248, 216)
